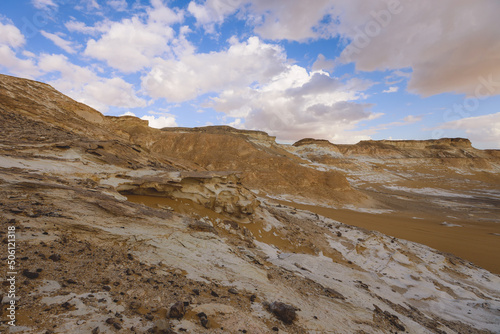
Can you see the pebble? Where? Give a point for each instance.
(177, 310)
(284, 312)
(55, 257)
(30, 274)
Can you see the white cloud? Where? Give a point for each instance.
(242, 64)
(42, 4)
(90, 5)
(448, 44)
(481, 130)
(160, 122)
(81, 27)
(392, 89)
(11, 36)
(297, 104)
(82, 84)
(12, 39)
(297, 20)
(119, 5)
(324, 64)
(60, 42)
(17, 66)
(213, 12)
(132, 44)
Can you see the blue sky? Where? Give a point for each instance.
(342, 70)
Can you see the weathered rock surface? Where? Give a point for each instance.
(111, 265)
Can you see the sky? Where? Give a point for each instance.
(341, 70)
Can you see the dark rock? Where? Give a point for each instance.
(282, 311)
(253, 298)
(71, 281)
(177, 310)
(389, 319)
(55, 257)
(234, 225)
(110, 321)
(334, 294)
(96, 330)
(215, 294)
(276, 329)
(134, 305)
(200, 226)
(233, 291)
(107, 287)
(117, 325)
(66, 305)
(30, 274)
(149, 317)
(196, 292)
(203, 319)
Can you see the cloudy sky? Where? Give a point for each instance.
(342, 70)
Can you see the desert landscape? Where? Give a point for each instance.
(121, 227)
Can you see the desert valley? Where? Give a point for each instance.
(124, 228)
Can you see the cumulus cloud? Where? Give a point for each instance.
(322, 63)
(294, 20)
(21, 67)
(11, 36)
(298, 104)
(132, 44)
(448, 44)
(10, 40)
(213, 12)
(161, 121)
(481, 130)
(60, 42)
(82, 84)
(242, 64)
(297, 20)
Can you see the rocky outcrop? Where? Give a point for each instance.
(218, 191)
(264, 165)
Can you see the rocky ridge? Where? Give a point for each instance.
(210, 253)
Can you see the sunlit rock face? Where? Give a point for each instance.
(125, 228)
